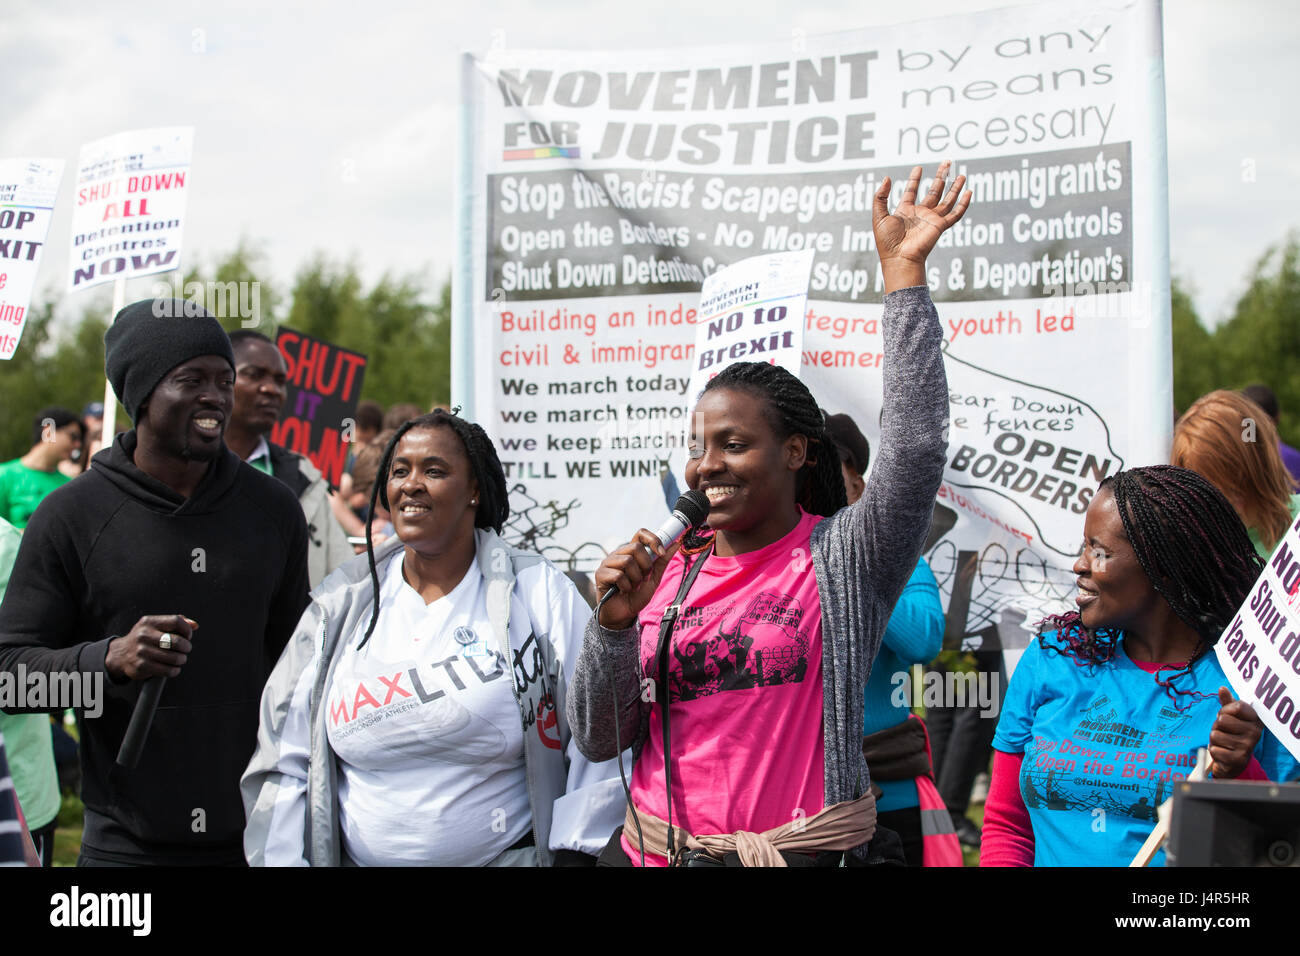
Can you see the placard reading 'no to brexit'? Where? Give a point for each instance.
(752, 311)
(323, 388)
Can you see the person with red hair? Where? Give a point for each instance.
(1264, 397)
(1231, 441)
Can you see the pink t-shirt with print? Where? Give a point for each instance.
(745, 688)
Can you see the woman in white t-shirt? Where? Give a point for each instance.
(417, 717)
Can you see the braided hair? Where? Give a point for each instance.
(1193, 549)
(790, 410)
(493, 498)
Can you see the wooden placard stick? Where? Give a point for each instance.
(1161, 832)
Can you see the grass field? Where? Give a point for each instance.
(972, 857)
(67, 836)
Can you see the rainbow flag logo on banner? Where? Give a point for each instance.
(543, 152)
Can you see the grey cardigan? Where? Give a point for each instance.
(862, 557)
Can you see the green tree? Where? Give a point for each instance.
(65, 369)
(1195, 354)
(326, 302)
(410, 344)
(1261, 342)
(235, 291)
(406, 338)
(405, 332)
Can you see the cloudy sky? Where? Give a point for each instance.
(331, 126)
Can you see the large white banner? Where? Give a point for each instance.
(600, 189)
(129, 210)
(28, 188)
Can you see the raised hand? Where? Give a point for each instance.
(905, 237)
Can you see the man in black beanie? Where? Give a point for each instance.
(169, 558)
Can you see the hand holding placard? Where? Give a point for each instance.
(1233, 737)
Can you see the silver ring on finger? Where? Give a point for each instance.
(166, 641)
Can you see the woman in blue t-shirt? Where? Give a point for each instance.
(1107, 710)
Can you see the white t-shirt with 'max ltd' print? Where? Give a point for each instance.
(427, 731)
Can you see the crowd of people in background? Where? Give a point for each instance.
(397, 585)
(1258, 478)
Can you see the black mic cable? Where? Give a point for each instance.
(691, 511)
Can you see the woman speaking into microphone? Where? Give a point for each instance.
(734, 664)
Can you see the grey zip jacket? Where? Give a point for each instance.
(290, 788)
(862, 557)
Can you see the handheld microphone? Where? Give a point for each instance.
(691, 511)
(137, 730)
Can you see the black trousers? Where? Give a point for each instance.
(907, 824)
(961, 742)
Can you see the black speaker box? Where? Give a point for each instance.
(1234, 823)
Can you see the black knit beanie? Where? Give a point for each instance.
(150, 338)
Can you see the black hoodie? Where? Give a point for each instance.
(115, 544)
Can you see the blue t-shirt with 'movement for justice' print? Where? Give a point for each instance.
(1103, 746)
